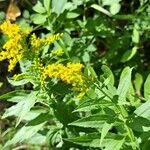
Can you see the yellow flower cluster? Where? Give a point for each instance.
(14, 45)
(37, 42)
(70, 74)
(58, 52)
(10, 29)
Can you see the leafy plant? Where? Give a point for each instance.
(76, 70)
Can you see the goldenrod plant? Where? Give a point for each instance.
(78, 76)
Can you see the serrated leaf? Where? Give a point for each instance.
(106, 127)
(111, 141)
(40, 119)
(144, 110)
(92, 140)
(21, 108)
(147, 88)
(91, 104)
(93, 121)
(14, 96)
(23, 134)
(124, 84)
(37, 139)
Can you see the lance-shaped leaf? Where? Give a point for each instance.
(22, 108)
(111, 141)
(94, 121)
(124, 84)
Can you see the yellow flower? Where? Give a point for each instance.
(10, 29)
(52, 38)
(14, 47)
(70, 74)
(37, 42)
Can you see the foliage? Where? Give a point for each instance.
(80, 73)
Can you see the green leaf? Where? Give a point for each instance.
(139, 124)
(144, 110)
(115, 8)
(147, 88)
(101, 9)
(24, 133)
(39, 8)
(2, 15)
(89, 72)
(92, 140)
(47, 4)
(86, 57)
(138, 83)
(106, 127)
(107, 74)
(58, 6)
(20, 82)
(110, 2)
(136, 34)
(14, 96)
(111, 141)
(22, 79)
(40, 119)
(88, 105)
(129, 54)
(93, 121)
(71, 15)
(26, 14)
(37, 139)
(124, 84)
(38, 18)
(22, 108)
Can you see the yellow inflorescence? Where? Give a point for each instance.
(14, 45)
(10, 29)
(70, 74)
(37, 42)
(52, 38)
